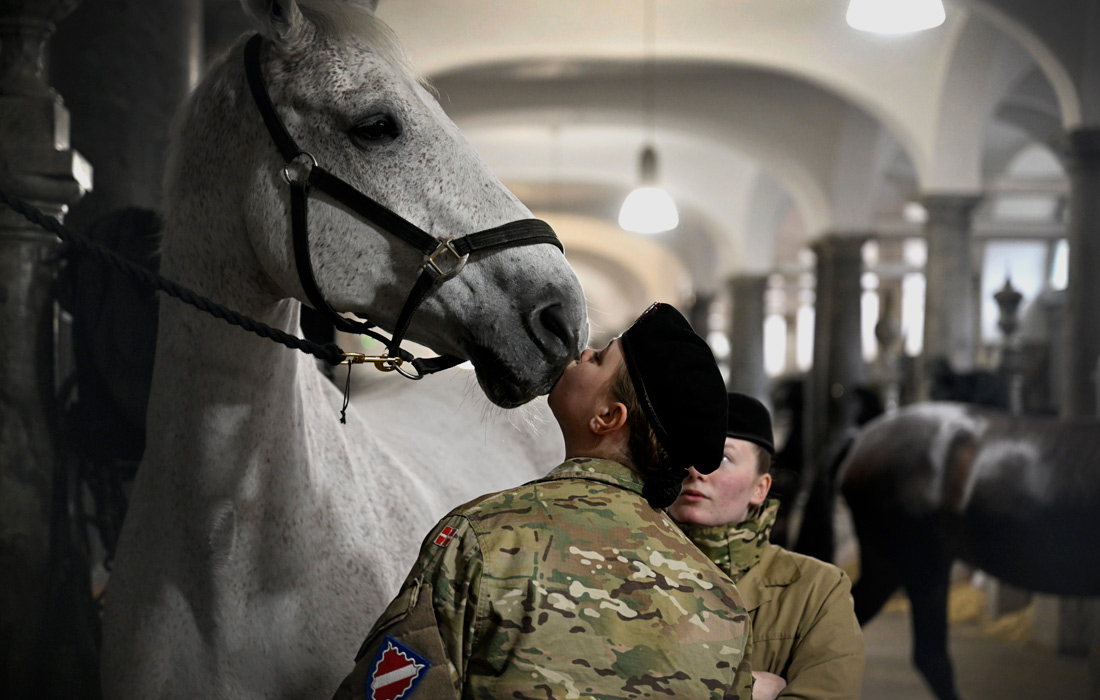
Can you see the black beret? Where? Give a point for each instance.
(679, 386)
(750, 420)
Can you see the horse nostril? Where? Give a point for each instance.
(553, 318)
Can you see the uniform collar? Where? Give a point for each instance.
(593, 469)
(736, 547)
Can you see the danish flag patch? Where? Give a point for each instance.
(395, 671)
(445, 536)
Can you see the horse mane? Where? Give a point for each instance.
(353, 22)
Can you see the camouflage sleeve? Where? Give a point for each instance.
(742, 681)
(451, 563)
(420, 645)
(828, 662)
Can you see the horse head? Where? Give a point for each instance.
(342, 87)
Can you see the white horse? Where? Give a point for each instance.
(264, 537)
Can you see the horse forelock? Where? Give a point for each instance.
(353, 25)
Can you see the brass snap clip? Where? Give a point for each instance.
(382, 363)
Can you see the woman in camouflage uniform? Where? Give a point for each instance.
(577, 585)
(804, 628)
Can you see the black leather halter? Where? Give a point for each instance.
(443, 259)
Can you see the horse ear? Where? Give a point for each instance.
(279, 20)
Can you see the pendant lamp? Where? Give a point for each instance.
(895, 16)
(649, 208)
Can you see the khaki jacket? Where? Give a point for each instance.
(804, 625)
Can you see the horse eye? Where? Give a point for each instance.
(376, 128)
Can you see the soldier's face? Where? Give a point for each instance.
(584, 386)
(724, 495)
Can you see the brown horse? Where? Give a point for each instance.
(1018, 497)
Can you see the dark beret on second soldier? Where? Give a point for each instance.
(750, 420)
(679, 386)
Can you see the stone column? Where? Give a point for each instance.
(747, 336)
(949, 301)
(223, 22)
(1081, 333)
(699, 314)
(37, 164)
(838, 360)
(1073, 624)
(838, 368)
(124, 67)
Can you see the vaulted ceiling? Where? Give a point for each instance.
(774, 122)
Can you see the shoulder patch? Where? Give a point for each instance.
(445, 536)
(395, 671)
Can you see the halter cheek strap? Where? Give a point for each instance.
(443, 259)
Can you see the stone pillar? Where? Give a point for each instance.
(1073, 624)
(699, 314)
(36, 164)
(949, 306)
(1081, 334)
(838, 360)
(223, 22)
(838, 368)
(746, 334)
(124, 67)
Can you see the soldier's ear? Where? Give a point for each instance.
(760, 489)
(609, 418)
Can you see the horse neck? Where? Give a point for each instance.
(225, 403)
(255, 404)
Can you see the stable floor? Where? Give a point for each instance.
(987, 665)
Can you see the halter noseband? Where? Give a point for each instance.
(443, 259)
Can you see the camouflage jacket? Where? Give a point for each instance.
(570, 586)
(804, 624)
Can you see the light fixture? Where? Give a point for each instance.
(649, 208)
(913, 212)
(895, 16)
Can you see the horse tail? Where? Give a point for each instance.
(817, 535)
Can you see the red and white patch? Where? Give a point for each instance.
(445, 536)
(395, 672)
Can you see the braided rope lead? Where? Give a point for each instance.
(329, 352)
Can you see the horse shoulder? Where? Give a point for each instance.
(913, 459)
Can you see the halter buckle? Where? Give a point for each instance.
(455, 265)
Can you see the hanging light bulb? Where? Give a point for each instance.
(895, 16)
(648, 209)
